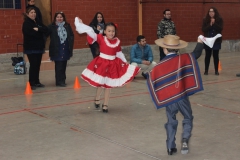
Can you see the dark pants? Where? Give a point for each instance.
(162, 54)
(35, 63)
(94, 49)
(184, 107)
(60, 72)
(208, 54)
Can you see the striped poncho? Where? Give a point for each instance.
(174, 78)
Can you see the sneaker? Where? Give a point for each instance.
(171, 151)
(144, 75)
(238, 75)
(184, 149)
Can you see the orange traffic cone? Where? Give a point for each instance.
(219, 66)
(28, 89)
(76, 84)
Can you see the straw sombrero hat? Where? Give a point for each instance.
(171, 42)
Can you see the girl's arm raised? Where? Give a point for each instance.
(82, 28)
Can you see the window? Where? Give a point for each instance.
(10, 4)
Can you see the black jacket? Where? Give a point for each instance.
(54, 39)
(33, 40)
(217, 26)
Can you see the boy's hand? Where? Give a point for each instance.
(199, 39)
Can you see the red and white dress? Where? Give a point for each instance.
(109, 69)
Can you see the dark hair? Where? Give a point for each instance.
(27, 12)
(216, 15)
(63, 15)
(172, 50)
(139, 38)
(95, 21)
(28, 1)
(110, 24)
(164, 12)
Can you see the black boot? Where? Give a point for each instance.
(170, 151)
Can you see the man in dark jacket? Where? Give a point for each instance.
(165, 27)
(31, 3)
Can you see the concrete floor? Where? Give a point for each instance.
(62, 124)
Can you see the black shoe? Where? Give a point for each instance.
(61, 85)
(105, 108)
(184, 149)
(206, 73)
(216, 73)
(144, 75)
(238, 75)
(39, 85)
(171, 151)
(33, 87)
(97, 105)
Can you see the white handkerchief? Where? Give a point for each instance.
(83, 28)
(209, 41)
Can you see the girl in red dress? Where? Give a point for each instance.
(110, 69)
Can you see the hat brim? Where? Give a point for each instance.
(182, 44)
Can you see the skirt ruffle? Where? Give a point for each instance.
(109, 73)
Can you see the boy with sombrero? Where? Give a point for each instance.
(170, 83)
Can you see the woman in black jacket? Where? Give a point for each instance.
(33, 44)
(61, 46)
(97, 24)
(212, 25)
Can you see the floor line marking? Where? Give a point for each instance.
(221, 109)
(9, 79)
(69, 88)
(113, 97)
(65, 104)
(220, 81)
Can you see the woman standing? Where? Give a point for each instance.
(61, 46)
(212, 25)
(33, 44)
(97, 25)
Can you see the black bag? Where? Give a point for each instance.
(16, 60)
(19, 63)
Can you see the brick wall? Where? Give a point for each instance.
(10, 29)
(123, 12)
(187, 17)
